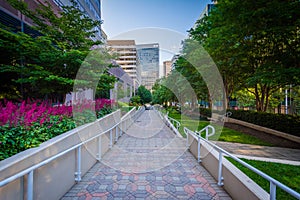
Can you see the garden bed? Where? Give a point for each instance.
(28, 124)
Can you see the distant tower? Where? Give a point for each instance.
(167, 65)
(148, 55)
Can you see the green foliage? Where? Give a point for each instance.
(144, 94)
(161, 93)
(284, 173)
(104, 111)
(46, 66)
(17, 139)
(285, 123)
(135, 100)
(105, 83)
(122, 104)
(280, 122)
(255, 45)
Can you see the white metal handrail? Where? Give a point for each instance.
(227, 114)
(273, 182)
(175, 123)
(206, 129)
(30, 170)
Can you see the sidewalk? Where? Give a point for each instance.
(264, 153)
(148, 162)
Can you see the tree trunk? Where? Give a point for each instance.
(257, 99)
(267, 99)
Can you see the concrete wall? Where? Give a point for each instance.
(236, 183)
(55, 178)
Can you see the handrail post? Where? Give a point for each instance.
(78, 172)
(125, 124)
(121, 128)
(187, 139)
(99, 147)
(199, 150)
(272, 191)
(117, 134)
(30, 185)
(220, 177)
(110, 139)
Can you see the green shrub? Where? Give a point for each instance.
(17, 139)
(280, 122)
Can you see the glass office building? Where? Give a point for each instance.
(148, 55)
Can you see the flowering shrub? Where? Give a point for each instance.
(27, 113)
(28, 124)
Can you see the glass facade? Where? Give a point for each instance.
(91, 7)
(148, 56)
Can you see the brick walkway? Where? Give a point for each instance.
(148, 162)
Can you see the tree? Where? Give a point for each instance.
(144, 94)
(256, 46)
(46, 66)
(135, 100)
(162, 94)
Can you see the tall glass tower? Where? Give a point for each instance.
(148, 55)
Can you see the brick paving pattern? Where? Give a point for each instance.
(148, 162)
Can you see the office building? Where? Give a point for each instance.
(148, 55)
(17, 22)
(166, 68)
(127, 58)
(205, 12)
(93, 9)
(173, 61)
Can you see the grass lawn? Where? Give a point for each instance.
(222, 133)
(286, 174)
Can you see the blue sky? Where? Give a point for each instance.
(124, 15)
(152, 21)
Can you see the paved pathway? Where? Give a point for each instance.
(272, 154)
(148, 162)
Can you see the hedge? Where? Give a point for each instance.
(280, 122)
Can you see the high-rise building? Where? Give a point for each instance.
(127, 58)
(173, 61)
(205, 12)
(167, 67)
(18, 22)
(92, 8)
(148, 55)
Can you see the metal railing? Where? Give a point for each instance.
(224, 116)
(273, 183)
(206, 129)
(119, 128)
(174, 122)
(169, 121)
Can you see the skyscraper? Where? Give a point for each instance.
(127, 58)
(18, 22)
(92, 8)
(148, 55)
